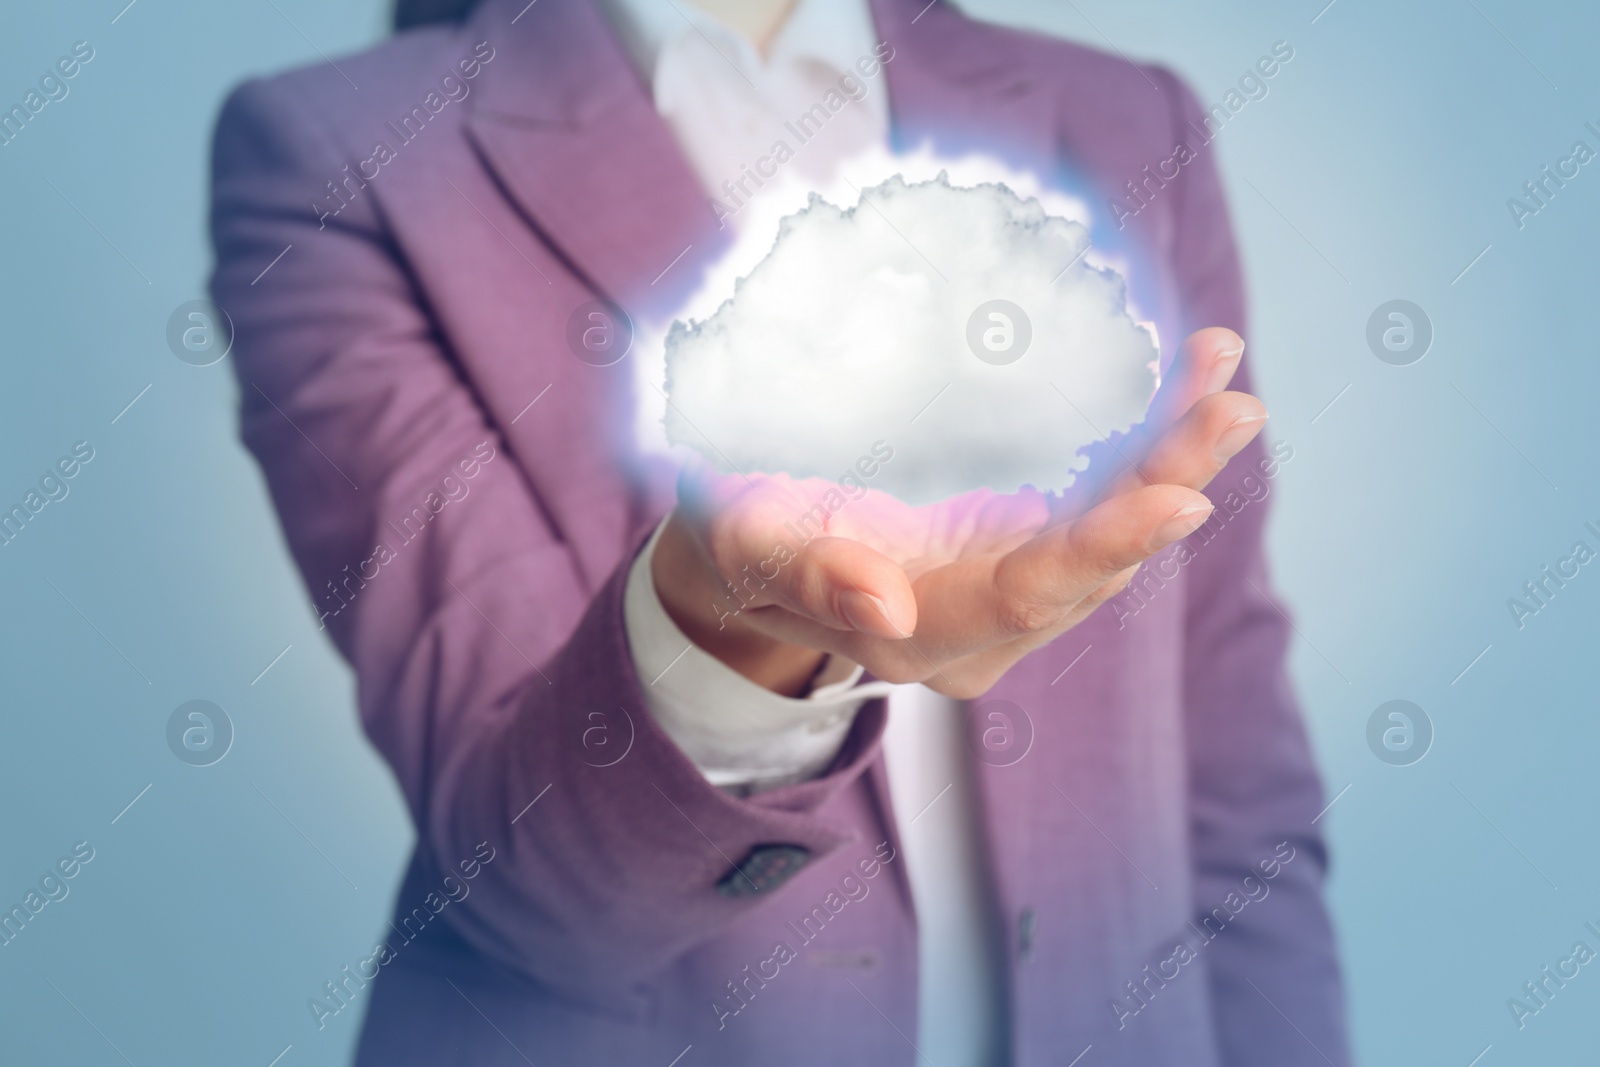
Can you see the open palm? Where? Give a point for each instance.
(951, 594)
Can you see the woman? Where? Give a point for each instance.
(626, 857)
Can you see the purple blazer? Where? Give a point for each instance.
(1149, 812)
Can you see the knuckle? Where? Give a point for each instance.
(1021, 616)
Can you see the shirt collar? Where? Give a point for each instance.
(835, 33)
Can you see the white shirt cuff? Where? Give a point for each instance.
(743, 737)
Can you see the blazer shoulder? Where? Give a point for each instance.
(1136, 102)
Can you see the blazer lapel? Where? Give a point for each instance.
(957, 85)
(572, 134)
(571, 138)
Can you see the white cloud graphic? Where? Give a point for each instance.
(964, 325)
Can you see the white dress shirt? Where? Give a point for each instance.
(727, 106)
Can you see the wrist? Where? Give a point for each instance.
(701, 604)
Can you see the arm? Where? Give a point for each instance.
(1253, 783)
(479, 652)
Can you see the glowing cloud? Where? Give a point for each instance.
(962, 325)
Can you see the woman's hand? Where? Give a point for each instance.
(951, 594)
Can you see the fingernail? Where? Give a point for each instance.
(1237, 435)
(863, 611)
(1222, 370)
(1181, 525)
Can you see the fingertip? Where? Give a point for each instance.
(862, 611)
(1239, 432)
(1227, 350)
(902, 614)
(1183, 522)
(871, 615)
(1205, 364)
(1191, 498)
(1214, 339)
(1227, 340)
(847, 585)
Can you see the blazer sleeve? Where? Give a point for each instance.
(484, 666)
(1276, 990)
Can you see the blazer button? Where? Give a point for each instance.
(766, 868)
